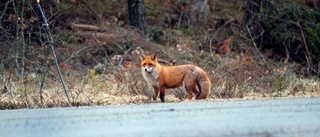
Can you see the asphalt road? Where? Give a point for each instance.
(259, 118)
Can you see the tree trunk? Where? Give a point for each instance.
(136, 15)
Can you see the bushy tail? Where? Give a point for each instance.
(204, 85)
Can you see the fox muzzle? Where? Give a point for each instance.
(148, 69)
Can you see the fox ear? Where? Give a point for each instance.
(153, 56)
(144, 56)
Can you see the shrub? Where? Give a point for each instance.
(290, 31)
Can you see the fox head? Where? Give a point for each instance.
(148, 63)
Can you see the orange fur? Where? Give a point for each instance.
(193, 78)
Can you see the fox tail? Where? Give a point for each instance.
(204, 87)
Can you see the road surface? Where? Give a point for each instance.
(254, 118)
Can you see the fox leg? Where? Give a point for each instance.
(189, 90)
(190, 86)
(196, 91)
(156, 95)
(162, 94)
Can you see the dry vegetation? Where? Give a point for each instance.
(99, 55)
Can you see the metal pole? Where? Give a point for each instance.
(50, 43)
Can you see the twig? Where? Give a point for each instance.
(308, 56)
(85, 4)
(41, 84)
(86, 27)
(123, 57)
(220, 28)
(256, 47)
(74, 53)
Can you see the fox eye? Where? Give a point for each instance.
(147, 64)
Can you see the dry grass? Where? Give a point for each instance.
(234, 76)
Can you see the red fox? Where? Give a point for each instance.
(193, 78)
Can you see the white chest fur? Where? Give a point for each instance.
(151, 77)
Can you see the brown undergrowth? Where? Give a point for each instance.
(119, 81)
